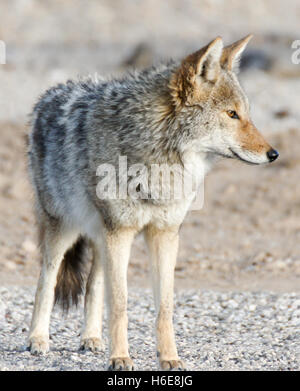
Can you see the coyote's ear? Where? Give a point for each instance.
(205, 62)
(193, 80)
(231, 54)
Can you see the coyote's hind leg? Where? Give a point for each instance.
(55, 241)
(91, 338)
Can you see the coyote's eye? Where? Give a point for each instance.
(233, 114)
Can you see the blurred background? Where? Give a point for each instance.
(247, 236)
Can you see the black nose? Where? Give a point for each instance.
(272, 155)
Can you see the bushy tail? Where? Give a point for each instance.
(70, 278)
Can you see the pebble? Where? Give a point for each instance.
(29, 246)
(10, 265)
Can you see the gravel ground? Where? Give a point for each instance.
(214, 331)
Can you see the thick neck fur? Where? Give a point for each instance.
(152, 129)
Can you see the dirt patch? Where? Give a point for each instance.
(247, 236)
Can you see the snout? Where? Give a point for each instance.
(272, 155)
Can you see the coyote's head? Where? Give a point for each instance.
(206, 90)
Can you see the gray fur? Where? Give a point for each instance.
(80, 125)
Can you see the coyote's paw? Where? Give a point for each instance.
(38, 345)
(172, 365)
(91, 344)
(120, 364)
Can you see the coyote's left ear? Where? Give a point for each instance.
(232, 54)
(205, 63)
(193, 80)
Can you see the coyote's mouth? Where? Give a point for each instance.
(237, 156)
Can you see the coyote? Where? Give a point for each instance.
(183, 112)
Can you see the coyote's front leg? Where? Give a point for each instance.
(163, 246)
(116, 251)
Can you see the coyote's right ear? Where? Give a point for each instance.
(231, 54)
(197, 73)
(206, 61)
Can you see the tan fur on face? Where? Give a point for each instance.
(250, 139)
(229, 96)
(220, 95)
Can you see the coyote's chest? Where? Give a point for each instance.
(182, 191)
(144, 213)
